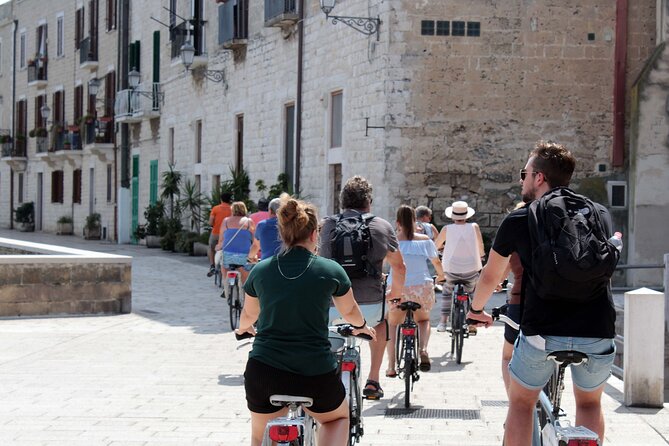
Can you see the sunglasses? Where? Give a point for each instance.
(523, 174)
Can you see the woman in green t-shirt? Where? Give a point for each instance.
(289, 296)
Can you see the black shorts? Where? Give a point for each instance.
(510, 334)
(261, 381)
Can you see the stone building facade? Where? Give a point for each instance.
(63, 164)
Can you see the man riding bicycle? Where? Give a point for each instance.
(547, 325)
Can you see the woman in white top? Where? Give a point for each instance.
(462, 256)
(418, 285)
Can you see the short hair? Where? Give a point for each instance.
(423, 211)
(406, 219)
(226, 197)
(555, 162)
(274, 205)
(356, 193)
(262, 204)
(239, 209)
(297, 220)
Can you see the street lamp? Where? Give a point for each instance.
(187, 58)
(45, 111)
(93, 86)
(133, 78)
(364, 25)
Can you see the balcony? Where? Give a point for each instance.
(281, 13)
(37, 73)
(67, 148)
(88, 54)
(14, 153)
(99, 139)
(233, 26)
(136, 105)
(41, 144)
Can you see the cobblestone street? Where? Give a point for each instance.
(169, 373)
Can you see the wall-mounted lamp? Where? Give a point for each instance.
(93, 86)
(364, 25)
(45, 111)
(187, 58)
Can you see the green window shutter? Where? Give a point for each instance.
(135, 196)
(153, 182)
(156, 56)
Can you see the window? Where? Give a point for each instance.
(111, 15)
(110, 97)
(443, 28)
(20, 191)
(170, 145)
(22, 50)
(153, 181)
(427, 27)
(458, 28)
(336, 187)
(39, 102)
(289, 143)
(240, 143)
(215, 183)
(78, 27)
(473, 29)
(76, 186)
(198, 141)
(110, 183)
(617, 192)
(57, 186)
(60, 30)
(78, 102)
(58, 111)
(233, 21)
(336, 119)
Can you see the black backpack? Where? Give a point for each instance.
(350, 242)
(572, 259)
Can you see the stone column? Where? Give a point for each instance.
(643, 371)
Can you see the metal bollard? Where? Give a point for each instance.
(643, 370)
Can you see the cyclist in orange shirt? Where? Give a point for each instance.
(216, 217)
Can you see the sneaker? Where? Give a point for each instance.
(472, 330)
(212, 271)
(441, 327)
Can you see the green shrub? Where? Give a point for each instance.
(65, 219)
(25, 213)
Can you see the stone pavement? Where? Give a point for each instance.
(170, 374)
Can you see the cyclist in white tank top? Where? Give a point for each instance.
(461, 258)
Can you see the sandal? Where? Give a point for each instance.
(372, 390)
(391, 373)
(425, 364)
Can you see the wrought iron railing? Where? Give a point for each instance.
(276, 8)
(37, 71)
(88, 51)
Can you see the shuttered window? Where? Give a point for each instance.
(78, 27)
(57, 186)
(153, 181)
(111, 15)
(76, 186)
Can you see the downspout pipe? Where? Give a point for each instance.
(298, 97)
(13, 127)
(620, 67)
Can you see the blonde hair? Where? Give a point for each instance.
(239, 209)
(297, 220)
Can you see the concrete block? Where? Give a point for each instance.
(643, 372)
(10, 274)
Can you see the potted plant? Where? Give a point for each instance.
(65, 225)
(5, 139)
(41, 132)
(92, 228)
(25, 214)
(154, 215)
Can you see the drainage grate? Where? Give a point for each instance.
(494, 403)
(450, 414)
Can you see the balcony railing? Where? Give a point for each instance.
(37, 71)
(281, 12)
(135, 105)
(41, 144)
(14, 149)
(88, 52)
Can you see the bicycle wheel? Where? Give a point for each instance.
(399, 349)
(458, 324)
(235, 310)
(409, 359)
(355, 410)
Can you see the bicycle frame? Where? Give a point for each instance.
(406, 350)
(549, 429)
(297, 426)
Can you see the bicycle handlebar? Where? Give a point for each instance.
(346, 330)
(498, 314)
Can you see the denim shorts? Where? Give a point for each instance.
(530, 367)
(371, 312)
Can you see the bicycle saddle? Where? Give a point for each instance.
(413, 306)
(287, 400)
(234, 266)
(568, 357)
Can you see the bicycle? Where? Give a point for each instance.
(551, 428)
(406, 349)
(459, 328)
(296, 428)
(348, 361)
(233, 294)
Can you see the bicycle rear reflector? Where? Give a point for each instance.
(408, 331)
(347, 366)
(582, 443)
(231, 274)
(462, 297)
(283, 433)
